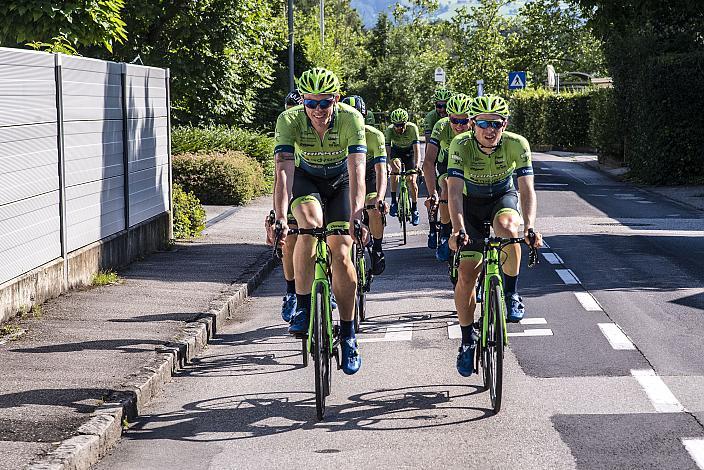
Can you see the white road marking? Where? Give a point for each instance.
(545, 244)
(533, 321)
(552, 258)
(453, 330)
(408, 233)
(617, 338)
(695, 447)
(567, 276)
(551, 184)
(533, 332)
(402, 332)
(645, 202)
(660, 396)
(588, 301)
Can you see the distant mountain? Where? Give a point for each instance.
(369, 9)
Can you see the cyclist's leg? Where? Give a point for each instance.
(289, 302)
(412, 180)
(307, 209)
(395, 164)
(506, 223)
(443, 251)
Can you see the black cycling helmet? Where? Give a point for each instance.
(292, 99)
(357, 103)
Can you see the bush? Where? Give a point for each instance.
(606, 125)
(189, 216)
(546, 118)
(188, 139)
(228, 178)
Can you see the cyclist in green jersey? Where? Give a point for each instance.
(403, 146)
(441, 96)
(288, 306)
(326, 187)
(480, 188)
(375, 183)
(435, 163)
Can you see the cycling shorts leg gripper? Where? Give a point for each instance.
(506, 210)
(442, 178)
(303, 200)
(471, 255)
(371, 196)
(336, 225)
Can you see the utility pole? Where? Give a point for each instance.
(322, 24)
(291, 83)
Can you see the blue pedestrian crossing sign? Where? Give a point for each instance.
(516, 80)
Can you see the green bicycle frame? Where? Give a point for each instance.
(322, 266)
(492, 269)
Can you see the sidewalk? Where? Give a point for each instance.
(92, 353)
(691, 196)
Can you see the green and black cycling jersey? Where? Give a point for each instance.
(326, 158)
(429, 122)
(376, 146)
(488, 175)
(404, 140)
(441, 137)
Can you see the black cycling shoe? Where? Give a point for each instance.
(378, 262)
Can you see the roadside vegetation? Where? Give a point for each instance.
(104, 278)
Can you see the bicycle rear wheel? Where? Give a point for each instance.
(304, 351)
(495, 345)
(359, 305)
(321, 345)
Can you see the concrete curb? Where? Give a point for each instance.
(103, 430)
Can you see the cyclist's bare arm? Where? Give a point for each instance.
(285, 166)
(529, 205)
(416, 155)
(455, 187)
(356, 166)
(431, 155)
(381, 177)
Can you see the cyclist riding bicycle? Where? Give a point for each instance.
(441, 96)
(375, 183)
(480, 188)
(403, 146)
(435, 163)
(330, 175)
(288, 306)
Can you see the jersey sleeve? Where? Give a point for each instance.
(415, 138)
(284, 135)
(355, 134)
(455, 162)
(428, 124)
(376, 147)
(436, 135)
(524, 164)
(388, 135)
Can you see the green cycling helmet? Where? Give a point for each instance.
(442, 94)
(399, 115)
(459, 104)
(489, 104)
(318, 81)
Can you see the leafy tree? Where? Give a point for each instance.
(62, 26)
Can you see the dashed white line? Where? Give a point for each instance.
(533, 321)
(567, 276)
(534, 332)
(552, 258)
(393, 333)
(545, 244)
(695, 447)
(645, 202)
(588, 301)
(660, 396)
(617, 338)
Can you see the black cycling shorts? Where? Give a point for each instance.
(405, 155)
(478, 210)
(370, 180)
(333, 194)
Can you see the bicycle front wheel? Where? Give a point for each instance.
(495, 345)
(321, 345)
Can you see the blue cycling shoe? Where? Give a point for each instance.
(415, 217)
(351, 360)
(393, 210)
(478, 294)
(432, 241)
(299, 323)
(288, 307)
(514, 307)
(443, 251)
(465, 359)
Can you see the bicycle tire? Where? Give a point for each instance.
(304, 351)
(321, 356)
(361, 306)
(495, 345)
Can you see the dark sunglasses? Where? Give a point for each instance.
(487, 124)
(399, 124)
(459, 121)
(441, 105)
(325, 103)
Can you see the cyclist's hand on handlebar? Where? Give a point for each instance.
(281, 231)
(431, 201)
(382, 206)
(533, 239)
(359, 231)
(269, 227)
(458, 240)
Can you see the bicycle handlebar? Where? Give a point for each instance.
(464, 240)
(406, 173)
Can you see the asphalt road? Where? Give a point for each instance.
(607, 372)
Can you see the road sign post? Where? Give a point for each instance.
(516, 80)
(480, 87)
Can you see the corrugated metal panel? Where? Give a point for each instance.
(93, 148)
(28, 88)
(9, 56)
(149, 191)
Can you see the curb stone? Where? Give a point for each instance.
(103, 430)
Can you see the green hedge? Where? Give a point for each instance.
(227, 178)
(189, 216)
(550, 119)
(188, 139)
(606, 125)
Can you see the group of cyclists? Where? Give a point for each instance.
(332, 170)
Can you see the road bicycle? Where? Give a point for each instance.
(322, 341)
(493, 334)
(404, 199)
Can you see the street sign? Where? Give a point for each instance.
(480, 87)
(439, 75)
(516, 80)
(551, 76)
